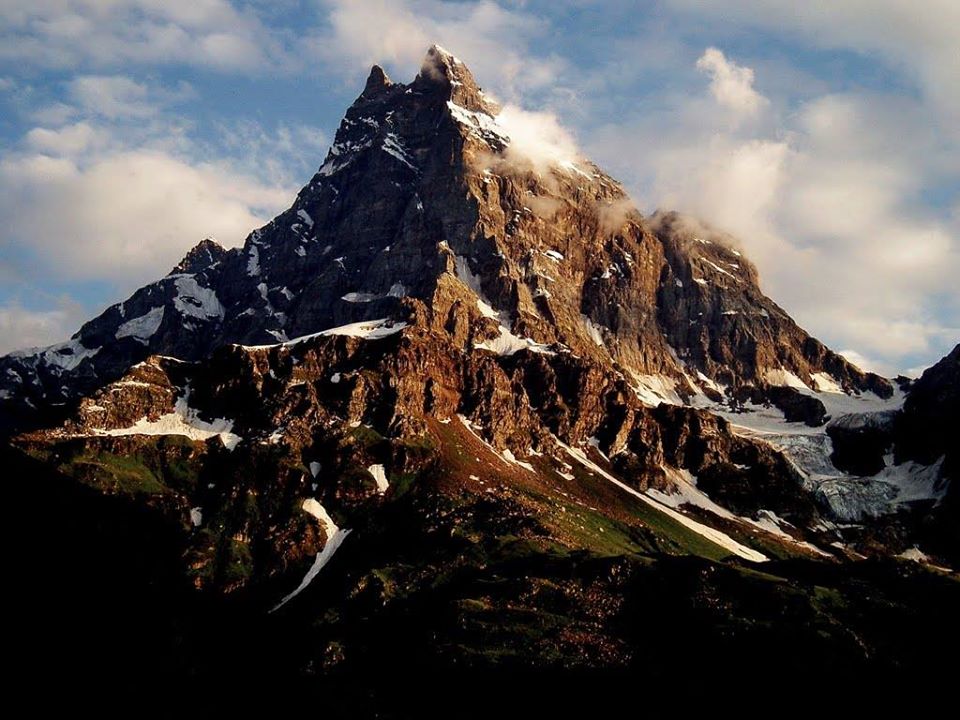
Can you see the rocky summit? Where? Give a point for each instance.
(461, 412)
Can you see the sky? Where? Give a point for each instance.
(824, 135)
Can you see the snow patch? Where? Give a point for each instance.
(710, 383)
(305, 216)
(393, 147)
(784, 378)
(506, 343)
(655, 389)
(367, 329)
(915, 554)
(342, 154)
(915, 482)
(687, 493)
(66, 356)
(594, 331)
(380, 477)
(719, 269)
(142, 328)
(359, 297)
(469, 426)
(335, 537)
(511, 458)
(184, 420)
(192, 300)
(467, 277)
(481, 124)
(826, 383)
(253, 261)
(487, 311)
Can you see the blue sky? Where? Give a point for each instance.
(826, 136)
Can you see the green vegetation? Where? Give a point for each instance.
(112, 473)
(236, 561)
(401, 483)
(664, 534)
(365, 437)
(158, 465)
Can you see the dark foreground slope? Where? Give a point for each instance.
(447, 620)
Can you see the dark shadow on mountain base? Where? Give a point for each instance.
(101, 611)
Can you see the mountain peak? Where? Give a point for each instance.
(377, 82)
(201, 256)
(440, 56)
(441, 68)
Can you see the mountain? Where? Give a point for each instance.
(423, 198)
(462, 410)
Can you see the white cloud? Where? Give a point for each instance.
(287, 156)
(23, 328)
(734, 184)
(874, 261)
(114, 96)
(69, 141)
(731, 84)
(536, 138)
(124, 215)
(869, 364)
(69, 33)
(57, 113)
(920, 40)
(496, 42)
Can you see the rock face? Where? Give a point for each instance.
(713, 312)
(926, 432)
(424, 195)
(930, 423)
(449, 390)
(861, 441)
(797, 406)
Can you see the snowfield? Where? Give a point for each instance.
(849, 498)
(367, 329)
(184, 420)
(142, 328)
(380, 477)
(195, 301)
